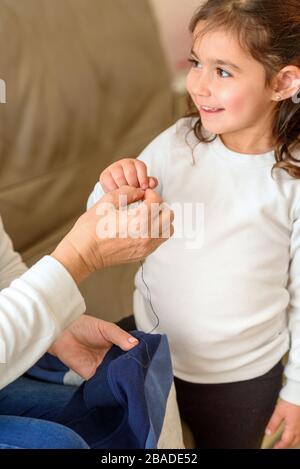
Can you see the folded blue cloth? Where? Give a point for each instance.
(124, 404)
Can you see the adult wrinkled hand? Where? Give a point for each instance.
(84, 344)
(109, 233)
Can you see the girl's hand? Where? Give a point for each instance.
(127, 172)
(290, 415)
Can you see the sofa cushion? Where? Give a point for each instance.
(87, 84)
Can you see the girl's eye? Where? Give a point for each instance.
(194, 62)
(224, 71)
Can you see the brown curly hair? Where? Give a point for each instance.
(270, 31)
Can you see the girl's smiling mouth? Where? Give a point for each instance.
(206, 110)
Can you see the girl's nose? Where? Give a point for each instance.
(201, 85)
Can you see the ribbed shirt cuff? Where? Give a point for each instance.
(57, 287)
(291, 392)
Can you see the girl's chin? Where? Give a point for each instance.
(213, 128)
(219, 124)
(217, 127)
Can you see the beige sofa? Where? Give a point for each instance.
(87, 84)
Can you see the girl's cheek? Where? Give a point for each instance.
(235, 104)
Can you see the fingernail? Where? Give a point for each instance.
(132, 340)
(268, 432)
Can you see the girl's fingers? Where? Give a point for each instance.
(152, 182)
(274, 423)
(107, 182)
(142, 176)
(118, 176)
(295, 442)
(287, 438)
(130, 174)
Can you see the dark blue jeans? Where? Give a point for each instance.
(28, 410)
(226, 415)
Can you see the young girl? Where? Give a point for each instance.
(231, 308)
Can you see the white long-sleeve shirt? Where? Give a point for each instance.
(229, 306)
(36, 304)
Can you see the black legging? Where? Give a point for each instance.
(226, 415)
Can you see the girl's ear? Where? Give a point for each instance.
(287, 83)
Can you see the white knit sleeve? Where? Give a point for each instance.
(291, 390)
(36, 306)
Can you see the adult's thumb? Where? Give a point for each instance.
(124, 196)
(152, 197)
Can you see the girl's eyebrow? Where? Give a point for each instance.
(219, 62)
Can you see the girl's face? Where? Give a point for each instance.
(228, 86)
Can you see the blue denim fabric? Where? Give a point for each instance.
(122, 406)
(28, 410)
